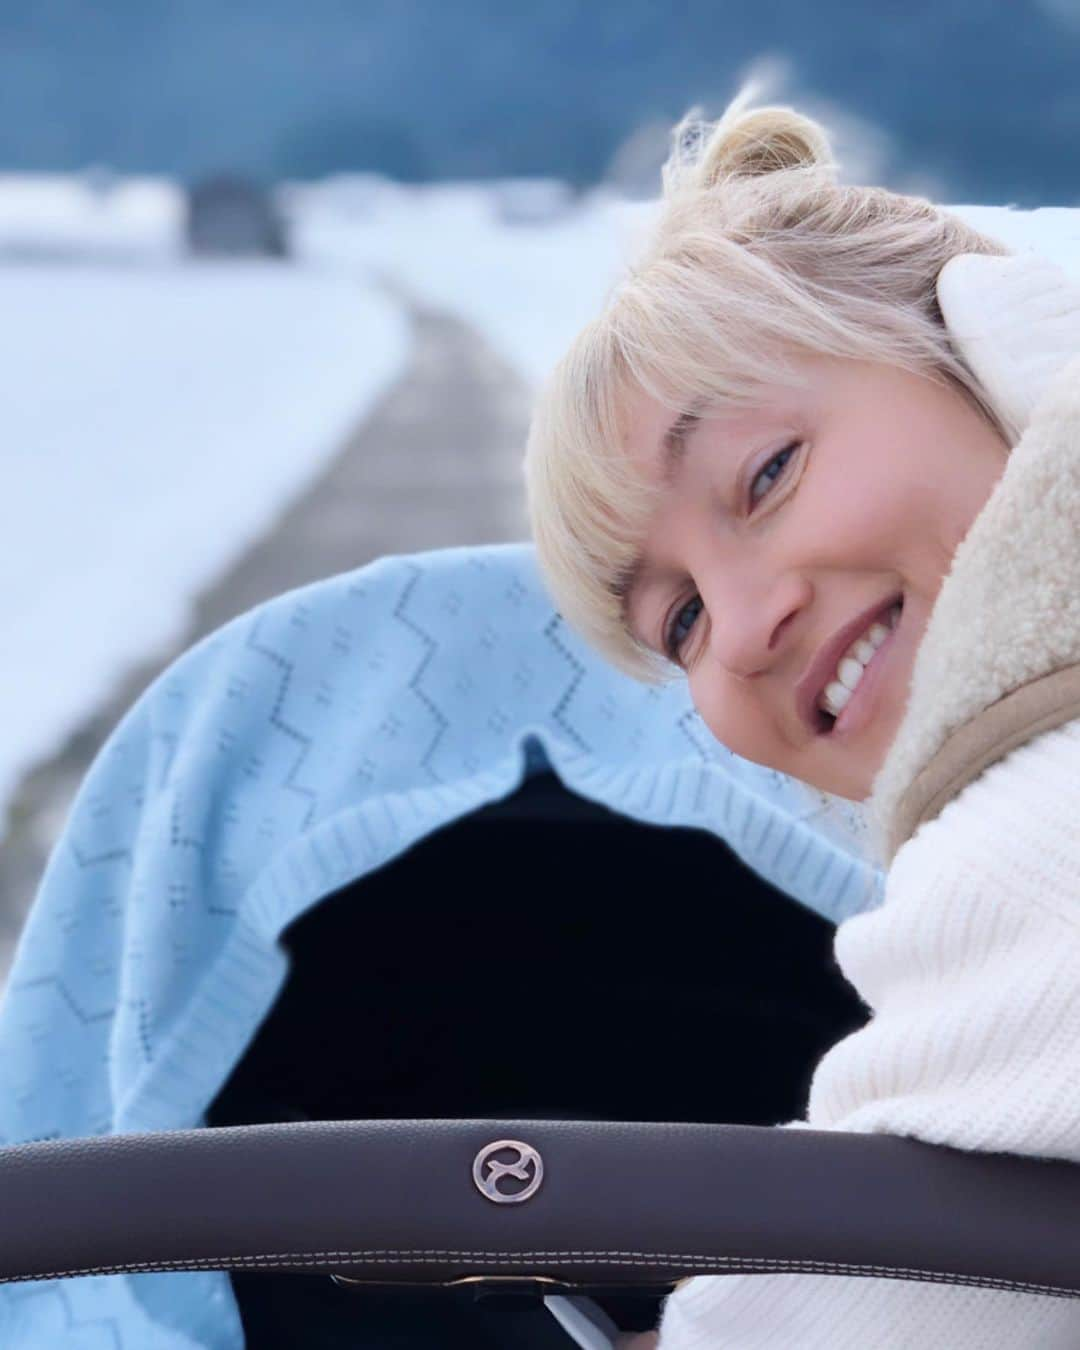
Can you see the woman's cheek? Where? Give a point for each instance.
(718, 707)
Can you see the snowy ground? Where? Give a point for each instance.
(161, 413)
(157, 420)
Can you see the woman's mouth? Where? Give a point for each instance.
(860, 706)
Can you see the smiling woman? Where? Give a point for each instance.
(738, 467)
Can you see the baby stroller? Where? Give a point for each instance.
(390, 987)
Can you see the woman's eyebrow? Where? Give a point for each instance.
(673, 445)
(623, 587)
(673, 452)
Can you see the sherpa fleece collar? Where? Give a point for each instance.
(1000, 659)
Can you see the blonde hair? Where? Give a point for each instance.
(759, 254)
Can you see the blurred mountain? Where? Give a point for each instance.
(981, 100)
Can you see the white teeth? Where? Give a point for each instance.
(850, 671)
(836, 693)
(835, 698)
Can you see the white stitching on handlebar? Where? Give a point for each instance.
(448, 1255)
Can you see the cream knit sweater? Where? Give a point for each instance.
(971, 965)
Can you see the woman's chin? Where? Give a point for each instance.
(852, 771)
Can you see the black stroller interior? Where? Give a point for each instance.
(541, 958)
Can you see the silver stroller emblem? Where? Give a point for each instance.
(526, 1165)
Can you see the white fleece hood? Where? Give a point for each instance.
(1008, 611)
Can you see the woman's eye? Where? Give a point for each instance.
(679, 628)
(683, 618)
(784, 455)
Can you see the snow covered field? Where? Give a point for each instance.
(156, 421)
(161, 413)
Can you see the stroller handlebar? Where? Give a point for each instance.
(563, 1206)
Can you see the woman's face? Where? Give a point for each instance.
(753, 563)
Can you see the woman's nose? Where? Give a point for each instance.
(750, 635)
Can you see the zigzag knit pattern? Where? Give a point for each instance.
(287, 755)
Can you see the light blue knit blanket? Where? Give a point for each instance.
(297, 748)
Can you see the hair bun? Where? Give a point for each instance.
(744, 144)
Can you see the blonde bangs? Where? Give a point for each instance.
(588, 508)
